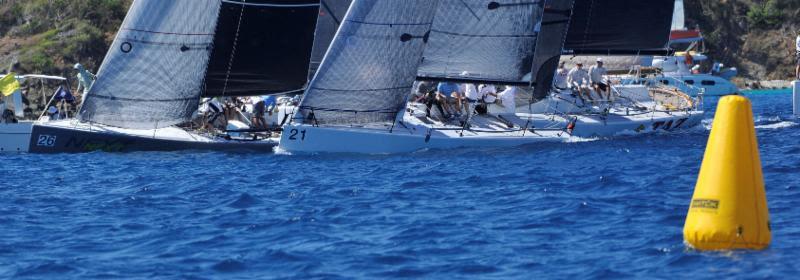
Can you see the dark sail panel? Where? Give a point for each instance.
(548, 46)
(261, 47)
(482, 41)
(331, 13)
(619, 27)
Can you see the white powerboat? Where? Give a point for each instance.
(17, 121)
(676, 72)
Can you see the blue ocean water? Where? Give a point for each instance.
(594, 209)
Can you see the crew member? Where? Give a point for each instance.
(597, 74)
(507, 99)
(797, 56)
(578, 79)
(85, 80)
(560, 80)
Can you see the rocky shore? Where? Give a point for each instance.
(747, 84)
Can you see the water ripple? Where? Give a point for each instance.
(589, 209)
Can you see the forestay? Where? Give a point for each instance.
(262, 47)
(153, 73)
(615, 27)
(370, 67)
(331, 14)
(482, 41)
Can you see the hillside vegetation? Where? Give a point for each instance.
(48, 36)
(755, 36)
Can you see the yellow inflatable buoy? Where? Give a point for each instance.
(729, 206)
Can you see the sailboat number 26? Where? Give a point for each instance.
(45, 140)
(293, 134)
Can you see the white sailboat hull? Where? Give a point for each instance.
(70, 136)
(410, 136)
(15, 137)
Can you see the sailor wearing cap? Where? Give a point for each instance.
(85, 80)
(797, 56)
(578, 79)
(597, 74)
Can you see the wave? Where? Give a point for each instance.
(778, 125)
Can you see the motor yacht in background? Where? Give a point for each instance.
(18, 118)
(691, 66)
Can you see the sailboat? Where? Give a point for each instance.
(357, 101)
(168, 55)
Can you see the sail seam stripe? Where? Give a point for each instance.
(370, 89)
(165, 43)
(389, 24)
(474, 80)
(141, 99)
(485, 36)
(167, 33)
(384, 111)
(271, 5)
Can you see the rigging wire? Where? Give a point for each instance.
(233, 50)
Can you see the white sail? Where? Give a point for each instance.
(678, 20)
(153, 73)
(371, 65)
(486, 40)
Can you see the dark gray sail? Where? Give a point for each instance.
(153, 73)
(619, 27)
(370, 67)
(552, 34)
(262, 47)
(331, 14)
(482, 41)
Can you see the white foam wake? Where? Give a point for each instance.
(778, 125)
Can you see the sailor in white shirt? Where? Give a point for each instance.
(507, 99)
(597, 74)
(797, 56)
(578, 79)
(472, 95)
(560, 80)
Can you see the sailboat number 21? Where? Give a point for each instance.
(293, 134)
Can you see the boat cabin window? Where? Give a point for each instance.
(689, 82)
(666, 82)
(709, 83)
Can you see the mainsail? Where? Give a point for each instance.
(614, 27)
(153, 73)
(370, 67)
(331, 14)
(261, 47)
(482, 41)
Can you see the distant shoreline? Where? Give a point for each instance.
(759, 85)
